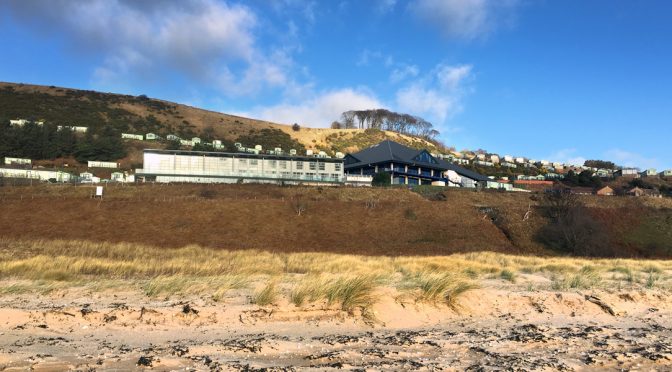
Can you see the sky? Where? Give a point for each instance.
(560, 80)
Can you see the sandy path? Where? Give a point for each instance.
(493, 330)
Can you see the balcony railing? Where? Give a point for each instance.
(242, 174)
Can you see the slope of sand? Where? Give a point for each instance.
(493, 328)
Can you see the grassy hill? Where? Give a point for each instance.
(375, 221)
(141, 115)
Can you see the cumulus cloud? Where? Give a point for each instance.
(463, 19)
(202, 39)
(321, 109)
(631, 159)
(438, 95)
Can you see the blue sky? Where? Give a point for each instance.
(559, 80)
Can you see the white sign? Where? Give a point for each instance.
(99, 191)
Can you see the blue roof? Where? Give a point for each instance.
(390, 151)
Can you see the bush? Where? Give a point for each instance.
(296, 127)
(571, 227)
(381, 179)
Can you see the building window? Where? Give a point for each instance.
(312, 165)
(274, 163)
(337, 167)
(283, 164)
(299, 165)
(242, 161)
(320, 166)
(254, 162)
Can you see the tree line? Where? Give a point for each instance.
(39, 142)
(386, 120)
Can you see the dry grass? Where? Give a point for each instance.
(436, 287)
(267, 295)
(349, 292)
(350, 282)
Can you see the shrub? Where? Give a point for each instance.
(266, 295)
(508, 275)
(571, 227)
(381, 179)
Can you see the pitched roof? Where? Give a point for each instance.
(392, 151)
(385, 151)
(463, 171)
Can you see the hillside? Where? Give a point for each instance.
(141, 115)
(396, 221)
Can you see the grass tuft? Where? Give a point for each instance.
(509, 275)
(267, 295)
(435, 287)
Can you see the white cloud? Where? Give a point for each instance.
(438, 95)
(567, 156)
(463, 19)
(404, 72)
(206, 40)
(320, 110)
(631, 159)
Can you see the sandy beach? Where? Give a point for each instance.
(492, 329)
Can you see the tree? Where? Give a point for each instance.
(296, 127)
(602, 164)
(336, 125)
(208, 134)
(571, 227)
(381, 179)
(383, 119)
(174, 145)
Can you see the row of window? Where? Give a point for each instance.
(212, 165)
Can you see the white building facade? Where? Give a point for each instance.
(42, 174)
(220, 167)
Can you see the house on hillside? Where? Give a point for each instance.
(152, 137)
(627, 173)
(483, 163)
(637, 191)
(18, 161)
(172, 137)
(666, 173)
(408, 166)
(602, 173)
(18, 122)
(651, 172)
(605, 191)
(137, 137)
(51, 175)
(582, 190)
(117, 177)
(494, 159)
(102, 164)
(88, 177)
(73, 128)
